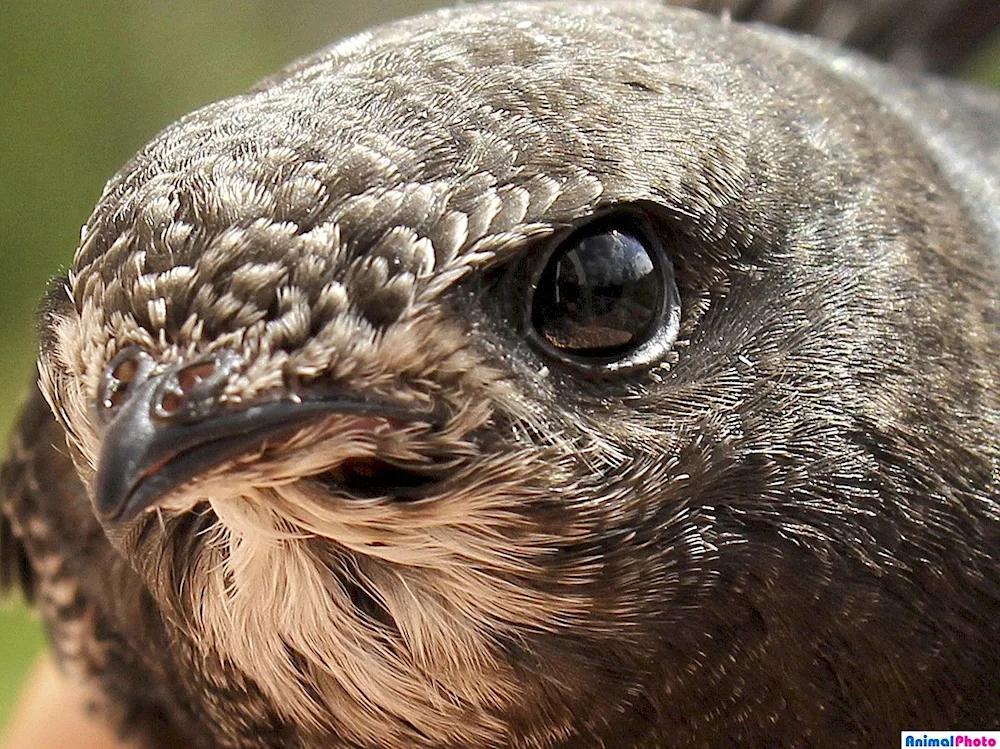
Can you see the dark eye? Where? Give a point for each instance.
(606, 297)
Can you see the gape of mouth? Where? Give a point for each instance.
(140, 470)
(373, 477)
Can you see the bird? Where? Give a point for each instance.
(531, 375)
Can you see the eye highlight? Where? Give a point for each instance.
(605, 298)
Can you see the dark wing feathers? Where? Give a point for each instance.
(50, 541)
(934, 35)
(16, 501)
(15, 568)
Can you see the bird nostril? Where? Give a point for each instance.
(192, 376)
(184, 391)
(170, 402)
(116, 397)
(125, 371)
(128, 368)
(191, 390)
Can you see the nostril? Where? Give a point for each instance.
(116, 396)
(191, 390)
(193, 375)
(184, 391)
(126, 370)
(186, 385)
(169, 402)
(129, 368)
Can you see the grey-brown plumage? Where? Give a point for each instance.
(936, 35)
(327, 470)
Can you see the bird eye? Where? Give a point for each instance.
(605, 297)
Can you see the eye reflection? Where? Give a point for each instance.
(599, 295)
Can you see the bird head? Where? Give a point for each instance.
(463, 369)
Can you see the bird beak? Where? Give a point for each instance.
(172, 427)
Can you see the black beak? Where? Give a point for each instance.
(171, 428)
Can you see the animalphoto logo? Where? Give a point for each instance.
(950, 738)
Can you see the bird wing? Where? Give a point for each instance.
(933, 35)
(15, 568)
(16, 496)
(53, 548)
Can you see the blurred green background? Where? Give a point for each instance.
(84, 85)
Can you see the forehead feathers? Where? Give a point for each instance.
(367, 178)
